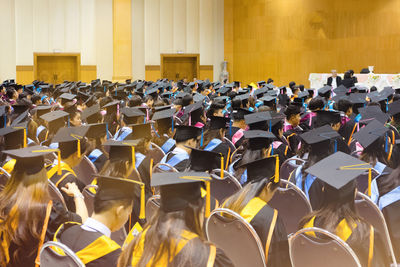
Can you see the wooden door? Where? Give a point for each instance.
(56, 69)
(179, 67)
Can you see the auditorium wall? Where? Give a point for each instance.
(288, 39)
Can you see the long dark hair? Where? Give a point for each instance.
(164, 230)
(23, 203)
(376, 152)
(315, 154)
(210, 135)
(392, 182)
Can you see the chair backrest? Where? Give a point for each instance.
(49, 257)
(236, 155)
(4, 177)
(156, 153)
(288, 166)
(135, 175)
(152, 205)
(236, 237)
(370, 212)
(328, 250)
(292, 205)
(362, 181)
(56, 195)
(119, 236)
(223, 188)
(164, 167)
(84, 170)
(178, 120)
(89, 197)
(230, 144)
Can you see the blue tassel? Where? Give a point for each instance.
(270, 126)
(387, 105)
(386, 144)
(152, 126)
(201, 140)
(104, 89)
(144, 120)
(272, 150)
(172, 126)
(230, 128)
(335, 146)
(68, 121)
(107, 131)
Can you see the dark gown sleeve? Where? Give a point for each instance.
(100, 161)
(58, 216)
(111, 259)
(181, 166)
(392, 216)
(279, 248)
(221, 260)
(316, 194)
(69, 201)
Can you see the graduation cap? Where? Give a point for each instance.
(260, 92)
(113, 188)
(261, 83)
(131, 115)
(258, 120)
(152, 91)
(14, 137)
(259, 139)
(327, 117)
(31, 159)
(194, 111)
(204, 160)
(341, 89)
(56, 119)
(96, 130)
(394, 108)
(161, 108)
(217, 122)
(164, 119)
(224, 90)
(387, 92)
(91, 114)
(238, 114)
(112, 107)
(184, 132)
(339, 171)
(222, 99)
(178, 190)
(199, 97)
(41, 110)
(268, 100)
(370, 113)
(167, 94)
(140, 131)
(266, 168)
(21, 118)
(69, 139)
(324, 90)
(367, 135)
(122, 150)
(319, 137)
(21, 107)
(66, 97)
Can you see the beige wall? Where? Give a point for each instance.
(172, 26)
(7, 40)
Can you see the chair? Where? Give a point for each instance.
(370, 212)
(236, 155)
(56, 195)
(50, 258)
(119, 236)
(178, 120)
(288, 166)
(163, 167)
(223, 188)
(362, 181)
(236, 237)
(89, 197)
(4, 177)
(328, 250)
(230, 144)
(135, 175)
(292, 205)
(152, 205)
(84, 170)
(156, 153)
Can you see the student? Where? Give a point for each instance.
(163, 129)
(394, 111)
(176, 229)
(185, 137)
(26, 208)
(337, 213)
(292, 128)
(345, 107)
(235, 132)
(129, 116)
(53, 122)
(97, 136)
(91, 240)
(214, 136)
(251, 203)
(280, 146)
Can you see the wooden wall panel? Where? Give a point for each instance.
(206, 72)
(24, 74)
(88, 73)
(152, 72)
(288, 39)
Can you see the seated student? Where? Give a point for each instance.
(377, 149)
(337, 213)
(26, 208)
(318, 144)
(347, 124)
(385, 192)
(97, 136)
(292, 128)
(129, 116)
(91, 241)
(112, 115)
(175, 231)
(185, 137)
(70, 150)
(216, 109)
(309, 118)
(164, 132)
(251, 203)
(235, 132)
(53, 122)
(214, 136)
(394, 111)
(281, 145)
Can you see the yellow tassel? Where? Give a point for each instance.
(276, 179)
(133, 157)
(208, 199)
(222, 167)
(142, 214)
(369, 181)
(79, 148)
(228, 157)
(58, 162)
(25, 145)
(151, 168)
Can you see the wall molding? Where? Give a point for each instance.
(88, 67)
(152, 67)
(24, 68)
(206, 67)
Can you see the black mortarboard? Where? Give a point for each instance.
(204, 160)
(67, 97)
(320, 138)
(112, 107)
(370, 113)
(387, 91)
(121, 150)
(140, 131)
(13, 137)
(224, 90)
(41, 110)
(261, 83)
(217, 122)
(161, 108)
(268, 100)
(131, 115)
(259, 139)
(111, 188)
(21, 107)
(266, 168)
(194, 111)
(184, 133)
(238, 114)
(21, 118)
(367, 135)
(96, 130)
(339, 171)
(394, 108)
(56, 119)
(341, 89)
(260, 92)
(164, 120)
(29, 160)
(324, 90)
(327, 117)
(178, 190)
(163, 114)
(91, 114)
(222, 99)
(258, 120)
(198, 97)
(69, 139)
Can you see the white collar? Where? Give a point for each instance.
(93, 225)
(178, 150)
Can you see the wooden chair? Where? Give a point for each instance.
(164, 167)
(230, 144)
(292, 205)
(135, 175)
(370, 212)
(362, 181)
(288, 166)
(223, 188)
(56, 195)
(4, 177)
(84, 170)
(49, 257)
(327, 250)
(236, 237)
(152, 205)
(156, 153)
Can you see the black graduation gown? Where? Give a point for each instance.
(234, 130)
(78, 239)
(98, 158)
(346, 130)
(218, 146)
(180, 165)
(283, 150)
(58, 216)
(293, 138)
(261, 219)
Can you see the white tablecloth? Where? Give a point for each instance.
(318, 80)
